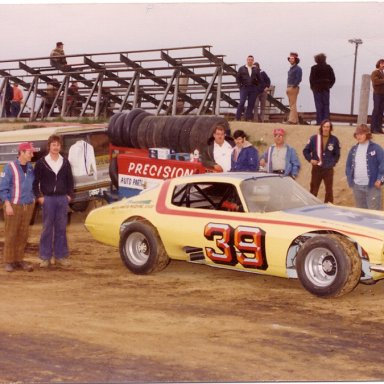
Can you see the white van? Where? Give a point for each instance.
(87, 187)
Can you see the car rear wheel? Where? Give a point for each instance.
(141, 249)
(328, 266)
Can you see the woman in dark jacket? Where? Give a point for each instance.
(245, 157)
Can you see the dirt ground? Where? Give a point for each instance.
(95, 322)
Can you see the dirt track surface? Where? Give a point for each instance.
(97, 322)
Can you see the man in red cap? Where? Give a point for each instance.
(18, 204)
(280, 158)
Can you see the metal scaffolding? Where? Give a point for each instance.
(171, 81)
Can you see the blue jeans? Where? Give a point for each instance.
(15, 108)
(247, 92)
(53, 240)
(321, 105)
(377, 113)
(367, 197)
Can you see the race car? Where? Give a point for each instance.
(254, 222)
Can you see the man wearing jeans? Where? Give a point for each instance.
(247, 78)
(53, 187)
(365, 169)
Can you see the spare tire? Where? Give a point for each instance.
(117, 130)
(133, 131)
(142, 131)
(111, 124)
(185, 134)
(125, 130)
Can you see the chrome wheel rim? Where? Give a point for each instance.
(321, 267)
(137, 248)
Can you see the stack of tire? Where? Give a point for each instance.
(182, 134)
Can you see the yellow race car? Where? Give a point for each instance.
(253, 222)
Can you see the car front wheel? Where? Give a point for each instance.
(328, 266)
(141, 249)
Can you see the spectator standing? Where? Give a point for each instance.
(247, 78)
(53, 187)
(281, 158)
(262, 94)
(245, 157)
(323, 152)
(217, 154)
(295, 75)
(321, 79)
(365, 169)
(17, 98)
(377, 78)
(19, 201)
(8, 96)
(57, 57)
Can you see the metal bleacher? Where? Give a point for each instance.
(181, 80)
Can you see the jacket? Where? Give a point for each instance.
(243, 79)
(81, 156)
(265, 82)
(247, 160)
(207, 157)
(295, 75)
(322, 78)
(15, 186)
(377, 78)
(375, 164)
(314, 151)
(47, 183)
(292, 162)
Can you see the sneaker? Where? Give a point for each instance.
(63, 262)
(9, 267)
(24, 266)
(44, 264)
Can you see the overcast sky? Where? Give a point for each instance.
(269, 31)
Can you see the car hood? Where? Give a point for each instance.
(328, 214)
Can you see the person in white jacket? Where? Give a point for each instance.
(81, 155)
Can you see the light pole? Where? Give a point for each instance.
(356, 42)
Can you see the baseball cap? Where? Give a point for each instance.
(279, 131)
(26, 147)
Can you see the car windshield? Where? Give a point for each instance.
(269, 194)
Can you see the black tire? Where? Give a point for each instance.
(133, 132)
(141, 249)
(111, 124)
(174, 132)
(116, 138)
(158, 132)
(185, 134)
(128, 121)
(79, 206)
(114, 172)
(142, 132)
(328, 266)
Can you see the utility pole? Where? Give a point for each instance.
(356, 42)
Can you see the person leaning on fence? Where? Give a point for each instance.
(19, 201)
(281, 158)
(323, 152)
(365, 169)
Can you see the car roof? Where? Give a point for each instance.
(44, 132)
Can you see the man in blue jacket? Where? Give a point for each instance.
(281, 158)
(19, 201)
(323, 152)
(365, 169)
(247, 78)
(295, 75)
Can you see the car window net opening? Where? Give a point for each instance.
(213, 196)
